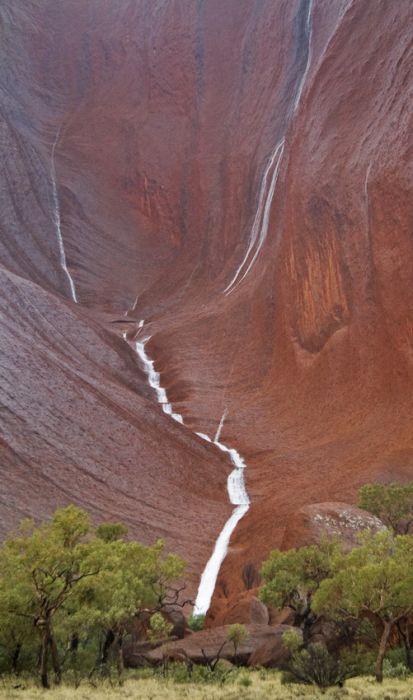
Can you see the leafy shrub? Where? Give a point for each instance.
(292, 641)
(245, 679)
(237, 634)
(394, 665)
(398, 670)
(159, 627)
(358, 660)
(181, 673)
(196, 622)
(314, 665)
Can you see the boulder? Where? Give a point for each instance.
(311, 523)
(285, 616)
(211, 642)
(177, 619)
(248, 609)
(174, 616)
(272, 653)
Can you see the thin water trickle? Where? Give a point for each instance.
(57, 220)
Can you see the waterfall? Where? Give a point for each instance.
(235, 483)
(262, 217)
(57, 219)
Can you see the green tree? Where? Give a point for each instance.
(373, 580)
(68, 582)
(40, 568)
(291, 578)
(135, 577)
(392, 503)
(159, 628)
(237, 634)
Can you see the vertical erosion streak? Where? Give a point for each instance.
(261, 221)
(308, 36)
(262, 217)
(57, 219)
(235, 483)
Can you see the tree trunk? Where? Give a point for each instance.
(109, 639)
(15, 657)
(55, 657)
(44, 658)
(119, 656)
(382, 650)
(404, 633)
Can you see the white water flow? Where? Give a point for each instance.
(259, 228)
(220, 426)
(57, 219)
(154, 379)
(308, 34)
(235, 483)
(238, 497)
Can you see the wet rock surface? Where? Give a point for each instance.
(148, 139)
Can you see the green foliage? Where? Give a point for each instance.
(134, 577)
(292, 640)
(196, 622)
(245, 680)
(398, 670)
(237, 634)
(159, 627)
(182, 673)
(358, 660)
(62, 584)
(111, 531)
(392, 503)
(374, 579)
(314, 665)
(291, 578)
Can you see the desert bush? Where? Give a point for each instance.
(181, 673)
(245, 679)
(292, 640)
(358, 660)
(314, 665)
(237, 634)
(398, 670)
(196, 622)
(159, 627)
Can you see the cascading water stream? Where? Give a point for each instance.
(235, 483)
(57, 220)
(238, 497)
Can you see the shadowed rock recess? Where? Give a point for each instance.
(229, 184)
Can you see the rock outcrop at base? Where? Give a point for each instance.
(262, 646)
(310, 524)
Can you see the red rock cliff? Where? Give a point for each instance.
(239, 175)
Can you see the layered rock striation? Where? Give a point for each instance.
(239, 175)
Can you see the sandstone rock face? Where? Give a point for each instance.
(239, 175)
(211, 641)
(311, 523)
